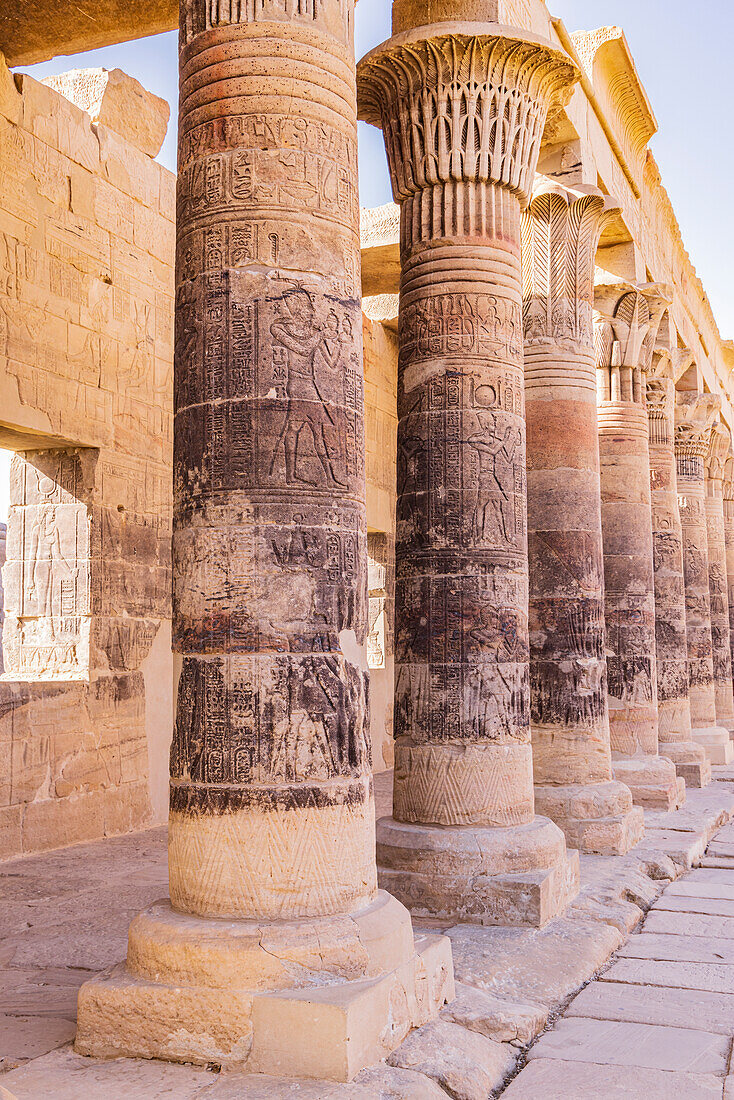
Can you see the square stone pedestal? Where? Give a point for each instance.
(521, 876)
(652, 780)
(596, 818)
(320, 998)
(717, 743)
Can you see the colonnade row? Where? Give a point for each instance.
(529, 704)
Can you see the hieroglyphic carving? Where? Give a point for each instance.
(47, 581)
(269, 549)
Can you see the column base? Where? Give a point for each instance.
(520, 876)
(690, 761)
(321, 998)
(652, 781)
(717, 742)
(596, 818)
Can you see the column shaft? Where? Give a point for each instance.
(719, 448)
(694, 413)
(674, 708)
(623, 344)
(272, 811)
(463, 835)
(569, 715)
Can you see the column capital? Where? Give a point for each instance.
(694, 415)
(719, 449)
(560, 233)
(626, 320)
(463, 102)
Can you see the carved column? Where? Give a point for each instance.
(568, 700)
(271, 835)
(463, 111)
(671, 650)
(718, 452)
(694, 415)
(729, 542)
(626, 324)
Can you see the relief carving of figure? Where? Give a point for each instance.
(299, 333)
(48, 564)
(494, 509)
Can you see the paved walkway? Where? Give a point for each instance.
(659, 1023)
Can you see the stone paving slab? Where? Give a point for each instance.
(63, 1075)
(674, 975)
(651, 1004)
(684, 847)
(714, 907)
(689, 924)
(676, 948)
(702, 888)
(27, 1037)
(620, 1043)
(550, 1079)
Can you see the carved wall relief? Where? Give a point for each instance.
(47, 575)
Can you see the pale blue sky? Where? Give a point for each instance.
(683, 53)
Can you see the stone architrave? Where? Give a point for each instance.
(568, 700)
(671, 649)
(694, 415)
(626, 323)
(276, 952)
(718, 453)
(462, 106)
(729, 542)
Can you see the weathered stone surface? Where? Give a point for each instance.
(713, 1012)
(114, 99)
(467, 1065)
(463, 755)
(560, 1080)
(502, 1020)
(619, 1043)
(543, 966)
(569, 714)
(674, 709)
(675, 948)
(716, 978)
(627, 318)
(719, 451)
(694, 416)
(67, 1076)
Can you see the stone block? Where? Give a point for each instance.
(650, 1004)
(306, 998)
(619, 1043)
(25, 1037)
(714, 978)
(11, 101)
(521, 876)
(554, 1079)
(467, 1065)
(502, 1020)
(54, 823)
(118, 101)
(544, 966)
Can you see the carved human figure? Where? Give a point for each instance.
(463, 764)
(568, 682)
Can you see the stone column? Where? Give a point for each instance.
(671, 650)
(729, 542)
(568, 699)
(626, 324)
(463, 112)
(718, 453)
(275, 921)
(694, 415)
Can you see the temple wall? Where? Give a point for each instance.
(86, 311)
